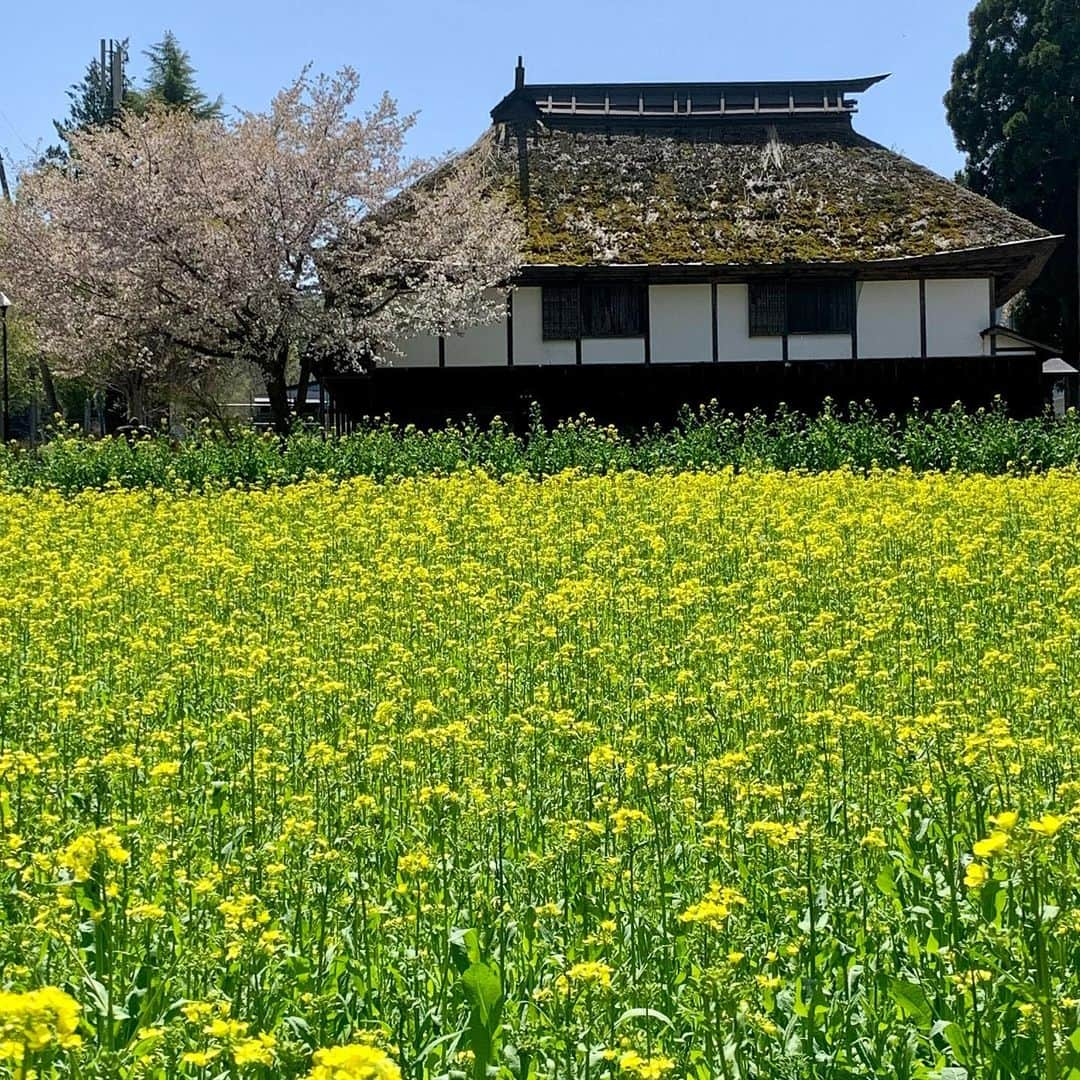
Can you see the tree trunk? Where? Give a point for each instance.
(277, 390)
(1076, 321)
(52, 402)
(135, 399)
(302, 383)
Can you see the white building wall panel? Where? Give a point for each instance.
(733, 328)
(956, 313)
(888, 314)
(613, 350)
(530, 348)
(680, 324)
(417, 352)
(819, 347)
(479, 346)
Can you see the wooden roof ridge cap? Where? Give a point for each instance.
(853, 86)
(522, 100)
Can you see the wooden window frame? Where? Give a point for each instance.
(770, 308)
(563, 328)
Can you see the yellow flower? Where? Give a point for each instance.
(194, 1011)
(199, 1058)
(1048, 825)
(976, 875)
(645, 1068)
(83, 853)
(1005, 821)
(993, 845)
(714, 911)
(413, 863)
(256, 1051)
(591, 973)
(35, 1020)
(356, 1062)
(226, 1030)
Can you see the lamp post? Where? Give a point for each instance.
(5, 303)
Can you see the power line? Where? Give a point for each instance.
(15, 131)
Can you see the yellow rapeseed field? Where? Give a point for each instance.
(687, 776)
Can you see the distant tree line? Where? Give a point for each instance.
(1014, 107)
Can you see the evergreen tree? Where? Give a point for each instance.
(171, 80)
(1014, 108)
(90, 104)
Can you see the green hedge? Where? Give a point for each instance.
(986, 441)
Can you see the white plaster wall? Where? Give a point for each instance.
(680, 323)
(529, 344)
(819, 346)
(956, 313)
(888, 314)
(479, 346)
(613, 350)
(417, 352)
(733, 328)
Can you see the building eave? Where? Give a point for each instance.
(1007, 263)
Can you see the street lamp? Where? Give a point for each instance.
(5, 303)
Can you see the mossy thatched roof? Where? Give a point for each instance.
(756, 198)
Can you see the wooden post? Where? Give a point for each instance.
(922, 317)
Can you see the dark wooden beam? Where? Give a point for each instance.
(715, 327)
(510, 328)
(854, 320)
(922, 318)
(648, 325)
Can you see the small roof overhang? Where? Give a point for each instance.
(1057, 366)
(997, 331)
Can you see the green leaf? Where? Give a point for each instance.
(886, 882)
(484, 992)
(644, 1014)
(911, 1000)
(464, 949)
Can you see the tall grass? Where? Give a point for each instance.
(986, 441)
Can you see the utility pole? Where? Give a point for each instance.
(111, 71)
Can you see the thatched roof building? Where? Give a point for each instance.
(731, 240)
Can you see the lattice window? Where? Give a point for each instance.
(820, 307)
(768, 309)
(593, 311)
(614, 311)
(562, 312)
(801, 307)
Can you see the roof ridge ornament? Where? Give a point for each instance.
(654, 104)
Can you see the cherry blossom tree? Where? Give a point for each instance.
(297, 238)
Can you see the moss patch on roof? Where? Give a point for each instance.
(600, 199)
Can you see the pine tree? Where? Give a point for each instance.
(90, 105)
(1014, 108)
(171, 80)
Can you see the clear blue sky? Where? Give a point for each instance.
(452, 61)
